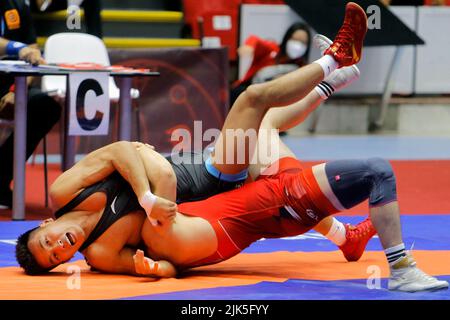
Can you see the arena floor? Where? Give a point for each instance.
(307, 267)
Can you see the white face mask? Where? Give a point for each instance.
(295, 49)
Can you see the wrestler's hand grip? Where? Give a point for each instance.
(158, 210)
(164, 211)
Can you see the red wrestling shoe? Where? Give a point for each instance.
(347, 46)
(357, 238)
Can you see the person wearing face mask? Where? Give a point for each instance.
(269, 60)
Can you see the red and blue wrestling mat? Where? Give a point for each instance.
(307, 267)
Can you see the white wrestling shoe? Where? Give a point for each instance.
(342, 77)
(405, 276)
(321, 42)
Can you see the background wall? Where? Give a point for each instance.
(193, 86)
(423, 69)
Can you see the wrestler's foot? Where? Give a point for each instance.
(356, 239)
(347, 46)
(339, 78)
(405, 276)
(322, 42)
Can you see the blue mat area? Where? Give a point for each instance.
(353, 147)
(301, 290)
(427, 232)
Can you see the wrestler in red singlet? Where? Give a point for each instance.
(284, 204)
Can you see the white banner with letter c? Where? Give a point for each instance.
(89, 103)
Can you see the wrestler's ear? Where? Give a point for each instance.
(46, 222)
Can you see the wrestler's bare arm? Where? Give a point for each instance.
(159, 171)
(128, 261)
(109, 260)
(110, 253)
(123, 157)
(97, 165)
(147, 267)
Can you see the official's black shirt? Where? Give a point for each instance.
(21, 31)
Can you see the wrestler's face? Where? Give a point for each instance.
(55, 242)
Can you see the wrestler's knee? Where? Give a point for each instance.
(384, 182)
(121, 146)
(167, 174)
(256, 96)
(381, 169)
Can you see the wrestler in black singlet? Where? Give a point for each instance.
(120, 200)
(194, 182)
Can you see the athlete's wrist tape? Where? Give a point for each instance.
(13, 48)
(147, 202)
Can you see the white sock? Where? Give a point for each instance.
(395, 253)
(324, 89)
(337, 233)
(328, 65)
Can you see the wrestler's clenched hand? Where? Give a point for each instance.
(163, 211)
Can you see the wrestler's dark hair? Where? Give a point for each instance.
(25, 258)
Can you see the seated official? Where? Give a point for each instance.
(18, 41)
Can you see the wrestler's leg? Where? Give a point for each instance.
(271, 148)
(278, 118)
(347, 183)
(237, 140)
(285, 118)
(289, 117)
(251, 106)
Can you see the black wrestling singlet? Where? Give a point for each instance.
(120, 200)
(194, 181)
